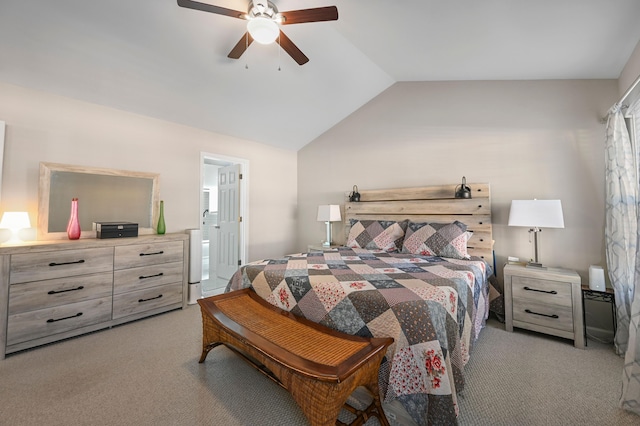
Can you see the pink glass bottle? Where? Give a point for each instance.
(73, 228)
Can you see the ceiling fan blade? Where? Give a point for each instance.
(318, 14)
(241, 46)
(205, 7)
(293, 51)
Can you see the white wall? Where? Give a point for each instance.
(45, 127)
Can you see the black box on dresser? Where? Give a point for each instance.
(116, 229)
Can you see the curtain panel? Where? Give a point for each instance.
(621, 239)
(621, 204)
(630, 398)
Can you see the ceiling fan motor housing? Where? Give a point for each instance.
(263, 9)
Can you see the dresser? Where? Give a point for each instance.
(52, 290)
(544, 300)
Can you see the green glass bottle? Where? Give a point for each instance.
(161, 226)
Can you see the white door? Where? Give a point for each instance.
(228, 256)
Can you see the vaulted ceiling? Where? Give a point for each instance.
(154, 58)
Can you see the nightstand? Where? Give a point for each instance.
(544, 300)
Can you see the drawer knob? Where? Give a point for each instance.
(146, 300)
(64, 291)
(541, 291)
(152, 254)
(142, 277)
(529, 311)
(79, 314)
(66, 263)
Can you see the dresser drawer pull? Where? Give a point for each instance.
(142, 277)
(152, 254)
(541, 291)
(64, 291)
(146, 300)
(529, 311)
(66, 263)
(79, 314)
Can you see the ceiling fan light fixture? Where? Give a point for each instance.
(263, 30)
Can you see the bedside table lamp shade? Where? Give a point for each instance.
(329, 213)
(536, 214)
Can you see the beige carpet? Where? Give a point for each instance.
(147, 373)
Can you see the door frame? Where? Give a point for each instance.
(244, 197)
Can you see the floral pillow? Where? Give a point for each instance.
(384, 235)
(437, 239)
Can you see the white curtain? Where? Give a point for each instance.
(621, 204)
(623, 256)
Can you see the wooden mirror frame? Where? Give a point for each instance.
(44, 191)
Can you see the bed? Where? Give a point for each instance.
(415, 267)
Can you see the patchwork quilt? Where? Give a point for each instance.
(433, 307)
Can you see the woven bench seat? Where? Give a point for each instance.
(318, 366)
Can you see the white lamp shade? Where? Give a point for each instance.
(15, 221)
(329, 213)
(536, 213)
(263, 30)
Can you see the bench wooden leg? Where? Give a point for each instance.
(206, 348)
(210, 336)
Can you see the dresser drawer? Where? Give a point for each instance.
(543, 314)
(135, 302)
(57, 264)
(60, 291)
(133, 256)
(542, 291)
(147, 276)
(31, 325)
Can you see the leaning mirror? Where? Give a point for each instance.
(104, 195)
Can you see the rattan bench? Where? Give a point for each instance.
(318, 366)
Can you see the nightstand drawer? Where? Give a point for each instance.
(546, 315)
(541, 291)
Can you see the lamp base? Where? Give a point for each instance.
(535, 265)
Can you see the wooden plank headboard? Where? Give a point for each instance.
(431, 204)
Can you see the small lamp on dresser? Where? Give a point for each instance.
(536, 214)
(15, 222)
(329, 213)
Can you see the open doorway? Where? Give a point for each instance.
(224, 219)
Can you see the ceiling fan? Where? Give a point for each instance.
(264, 22)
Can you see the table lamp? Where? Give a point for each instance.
(327, 214)
(536, 214)
(15, 221)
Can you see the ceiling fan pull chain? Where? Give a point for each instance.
(279, 52)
